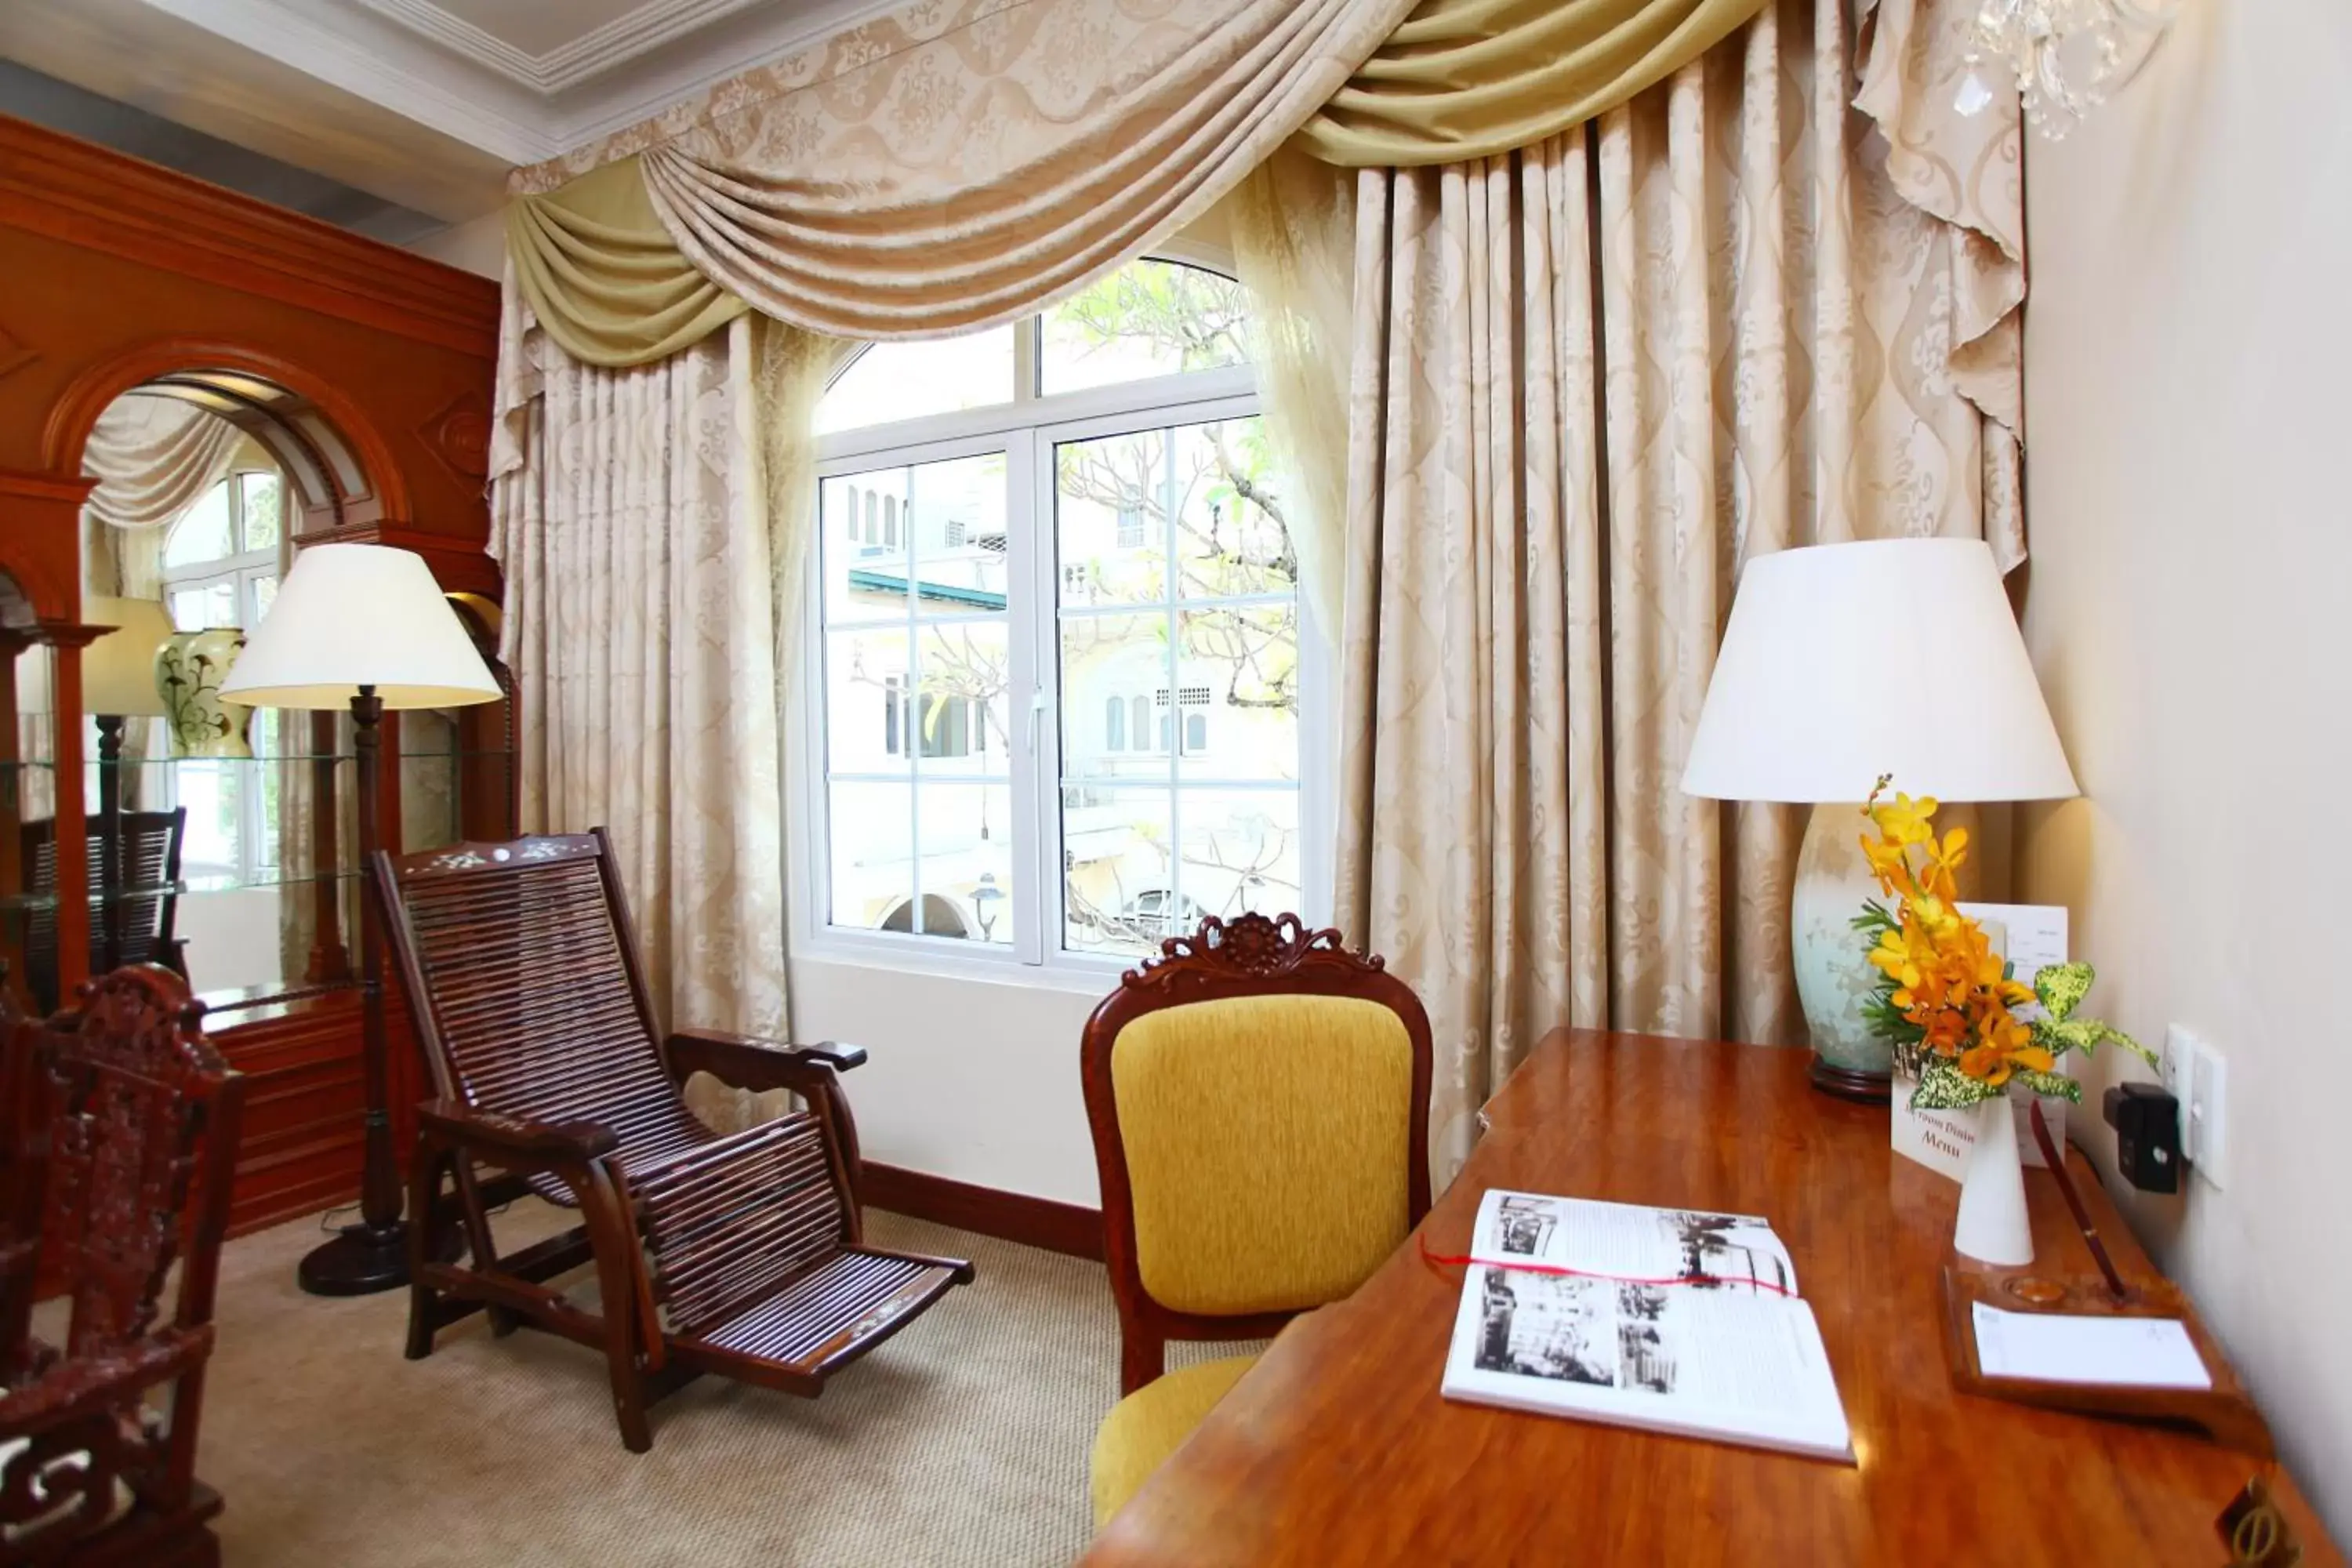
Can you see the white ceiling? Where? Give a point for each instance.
(424, 102)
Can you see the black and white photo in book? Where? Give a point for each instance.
(1731, 1248)
(1575, 1329)
(1528, 1222)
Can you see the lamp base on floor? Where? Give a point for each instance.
(360, 1261)
(363, 1260)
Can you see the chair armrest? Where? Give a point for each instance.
(748, 1063)
(516, 1137)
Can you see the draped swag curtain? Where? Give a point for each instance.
(1589, 380)
(153, 458)
(953, 167)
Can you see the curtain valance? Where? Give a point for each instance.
(1473, 79)
(608, 282)
(953, 166)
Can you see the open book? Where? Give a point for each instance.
(1674, 1319)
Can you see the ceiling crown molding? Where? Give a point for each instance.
(421, 62)
(639, 32)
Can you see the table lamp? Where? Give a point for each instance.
(118, 682)
(367, 626)
(1842, 662)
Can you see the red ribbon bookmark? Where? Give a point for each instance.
(1443, 1260)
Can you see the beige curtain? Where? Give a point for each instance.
(153, 458)
(650, 533)
(1590, 381)
(1471, 78)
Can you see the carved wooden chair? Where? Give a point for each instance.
(739, 1255)
(123, 1126)
(1259, 1098)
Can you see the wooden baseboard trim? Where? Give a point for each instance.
(1009, 1217)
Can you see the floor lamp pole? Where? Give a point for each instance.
(110, 841)
(373, 1255)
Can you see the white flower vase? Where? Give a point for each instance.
(1994, 1226)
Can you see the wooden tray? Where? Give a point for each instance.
(2225, 1412)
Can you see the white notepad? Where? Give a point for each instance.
(2051, 1347)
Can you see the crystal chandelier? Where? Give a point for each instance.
(2063, 53)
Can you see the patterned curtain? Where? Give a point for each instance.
(649, 528)
(1590, 380)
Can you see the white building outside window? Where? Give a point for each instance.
(1055, 701)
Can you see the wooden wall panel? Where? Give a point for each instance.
(113, 272)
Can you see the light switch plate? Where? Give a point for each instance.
(2180, 1048)
(2206, 1110)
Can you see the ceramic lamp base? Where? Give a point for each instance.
(1834, 976)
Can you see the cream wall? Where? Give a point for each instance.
(2188, 379)
(478, 245)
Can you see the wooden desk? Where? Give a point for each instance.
(1336, 1448)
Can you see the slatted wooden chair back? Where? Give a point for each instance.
(528, 992)
(151, 844)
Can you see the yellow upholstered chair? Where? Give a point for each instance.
(1259, 1098)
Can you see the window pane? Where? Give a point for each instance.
(1110, 518)
(951, 512)
(1232, 531)
(209, 789)
(965, 833)
(1237, 688)
(867, 696)
(871, 852)
(1149, 318)
(260, 494)
(1117, 891)
(202, 604)
(1241, 851)
(1107, 661)
(910, 380)
(202, 533)
(962, 723)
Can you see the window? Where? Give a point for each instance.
(1101, 581)
(221, 569)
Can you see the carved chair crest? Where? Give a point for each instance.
(124, 1082)
(1251, 947)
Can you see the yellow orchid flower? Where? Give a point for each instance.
(1943, 858)
(1905, 820)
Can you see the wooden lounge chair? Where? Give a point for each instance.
(122, 1127)
(738, 1255)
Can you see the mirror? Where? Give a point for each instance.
(213, 843)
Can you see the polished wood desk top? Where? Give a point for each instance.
(1336, 1448)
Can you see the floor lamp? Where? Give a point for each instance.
(364, 626)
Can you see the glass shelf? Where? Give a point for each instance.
(189, 887)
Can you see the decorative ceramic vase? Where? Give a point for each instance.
(1994, 1227)
(189, 669)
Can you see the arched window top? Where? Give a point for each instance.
(1151, 318)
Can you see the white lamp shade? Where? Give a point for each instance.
(118, 670)
(1845, 661)
(349, 615)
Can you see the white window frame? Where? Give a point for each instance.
(1027, 429)
(244, 570)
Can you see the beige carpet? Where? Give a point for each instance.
(962, 1441)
